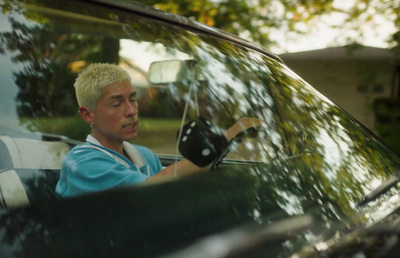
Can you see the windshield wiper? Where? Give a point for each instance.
(383, 188)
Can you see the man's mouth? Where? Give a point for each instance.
(130, 125)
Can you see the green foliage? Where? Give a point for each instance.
(72, 127)
(255, 20)
(387, 115)
(251, 19)
(160, 106)
(47, 56)
(154, 132)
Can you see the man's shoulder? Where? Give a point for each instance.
(85, 159)
(84, 151)
(85, 147)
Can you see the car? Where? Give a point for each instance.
(301, 177)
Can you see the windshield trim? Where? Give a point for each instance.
(184, 22)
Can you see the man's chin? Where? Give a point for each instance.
(129, 133)
(130, 137)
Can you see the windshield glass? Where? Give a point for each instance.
(45, 54)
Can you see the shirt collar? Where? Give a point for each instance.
(130, 150)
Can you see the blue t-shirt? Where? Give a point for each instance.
(91, 168)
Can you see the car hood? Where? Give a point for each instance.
(186, 215)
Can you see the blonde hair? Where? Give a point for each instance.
(93, 78)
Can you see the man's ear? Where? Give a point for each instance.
(86, 114)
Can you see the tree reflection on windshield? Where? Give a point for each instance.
(344, 160)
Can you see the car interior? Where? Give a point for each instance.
(30, 170)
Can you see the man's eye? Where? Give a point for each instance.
(133, 100)
(116, 104)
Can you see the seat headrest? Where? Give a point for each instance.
(30, 153)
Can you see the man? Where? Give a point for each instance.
(107, 101)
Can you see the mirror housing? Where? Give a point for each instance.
(174, 71)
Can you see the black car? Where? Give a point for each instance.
(306, 181)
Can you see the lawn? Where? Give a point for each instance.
(157, 134)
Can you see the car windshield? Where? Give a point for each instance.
(40, 96)
(306, 153)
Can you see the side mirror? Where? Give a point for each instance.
(173, 71)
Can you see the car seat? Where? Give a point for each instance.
(31, 153)
(29, 170)
(23, 186)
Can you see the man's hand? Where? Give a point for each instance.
(185, 167)
(242, 125)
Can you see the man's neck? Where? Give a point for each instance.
(112, 145)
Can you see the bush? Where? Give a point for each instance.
(387, 119)
(72, 127)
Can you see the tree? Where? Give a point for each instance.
(254, 20)
(257, 20)
(46, 54)
(373, 13)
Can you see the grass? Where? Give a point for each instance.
(158, 134)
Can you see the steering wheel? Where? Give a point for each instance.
(243, 127)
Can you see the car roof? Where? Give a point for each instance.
(182, 21)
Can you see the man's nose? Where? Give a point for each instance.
(131, 108)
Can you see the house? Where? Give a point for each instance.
(351, 76)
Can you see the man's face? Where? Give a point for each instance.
(116, 115)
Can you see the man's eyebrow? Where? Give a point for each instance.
(117, 97)
(121, 97)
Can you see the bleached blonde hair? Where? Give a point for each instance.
(93, 78)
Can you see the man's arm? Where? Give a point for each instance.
(185, 167)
